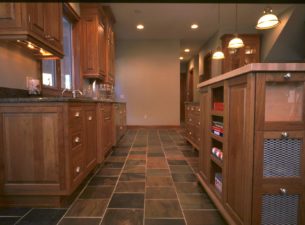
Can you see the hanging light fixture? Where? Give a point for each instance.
(267, 20)
(236, 42)
(218, 54)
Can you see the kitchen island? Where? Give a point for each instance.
(252, 159)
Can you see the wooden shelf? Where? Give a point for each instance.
(217, 161)
(218, 138)
(217, 113)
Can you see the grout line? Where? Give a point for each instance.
(107, 207)
(23, 216)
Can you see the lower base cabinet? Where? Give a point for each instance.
(192, 124)
(46, 151)
(119, 121)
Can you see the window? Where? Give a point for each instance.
(59, 74)
(49, 73)
(67, 62)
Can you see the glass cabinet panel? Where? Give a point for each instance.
(284, 101)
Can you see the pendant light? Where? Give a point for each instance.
(218, 54)
(236, 42)
(267, 21)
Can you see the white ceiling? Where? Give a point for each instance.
(173, 20)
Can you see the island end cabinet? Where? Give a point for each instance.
(252, 159)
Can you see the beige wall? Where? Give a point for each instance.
(148, 79)
(15, 65)
(194, 63)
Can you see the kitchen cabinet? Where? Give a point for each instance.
(120, 121)
(252, 161)
(235, 58)
(47, 150)
(192, 124)
(110, 50)
(105, 130)
(37, 23)
(94, 37)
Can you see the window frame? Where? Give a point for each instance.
(56, 90)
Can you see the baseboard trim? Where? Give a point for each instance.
(153, 126)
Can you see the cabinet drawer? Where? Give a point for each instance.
(75, 118)
(77, 167)
(76, 139)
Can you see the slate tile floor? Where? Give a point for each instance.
(147, 180)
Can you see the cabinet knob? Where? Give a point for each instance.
(121, 112)
(283, 191)
(77, 114)
(198, 123)
(198, 139)
(76, 139)
(121, 128)
(287, 76)
(284, 135)
(89, 117)
(77, 170)
(199, 110)
(190, 120)
(190, 133)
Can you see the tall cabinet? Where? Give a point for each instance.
(252, 160)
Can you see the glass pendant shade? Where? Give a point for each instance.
(218, 54)
(236, 42)
(267, 21)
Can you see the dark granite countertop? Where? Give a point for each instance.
(53, 99)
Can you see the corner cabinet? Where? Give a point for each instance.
(47, 150)
(38, 23)
(93, 47)
(252, 159)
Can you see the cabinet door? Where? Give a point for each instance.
(238, 160)
(101, 48)
(279, 178)
(53, 24)
(91, 141)
(89, 46)
(37, 18)
(280, 101)
(10, 15)
(204, 151)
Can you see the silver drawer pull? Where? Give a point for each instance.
(192, 109)
(287, 76)
(198, 139)
(190, 120)
(77, 114)
(190, 133)
(121, 128)
(198, 110)
(89, 117)
(76, 139)
(284, 135)
(283, 191)
(198, 123)
(77, 170)
(107, 118)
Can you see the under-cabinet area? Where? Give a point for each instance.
(49, 148)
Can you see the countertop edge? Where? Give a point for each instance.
(255, 67)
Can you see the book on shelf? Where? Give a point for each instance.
(218, 106)
(217, 124)
(218, 182)
(217, 133)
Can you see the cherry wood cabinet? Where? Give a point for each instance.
(119, 121)
(47, 150)
(259, 175)
(38, 23)
(110, 51)
(105, 130)
(192, 124)
(93, 48)
(235, 58)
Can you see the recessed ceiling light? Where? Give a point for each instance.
(140, 26)
(194, 26)
(187, 50)
(181, 58)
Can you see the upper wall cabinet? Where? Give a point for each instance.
(235, 58)
(110, 47)
(97, 42)
(93, 48)
(36, 26)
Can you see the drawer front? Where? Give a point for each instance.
(75, 118)
(77, 167)
(77, 139)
